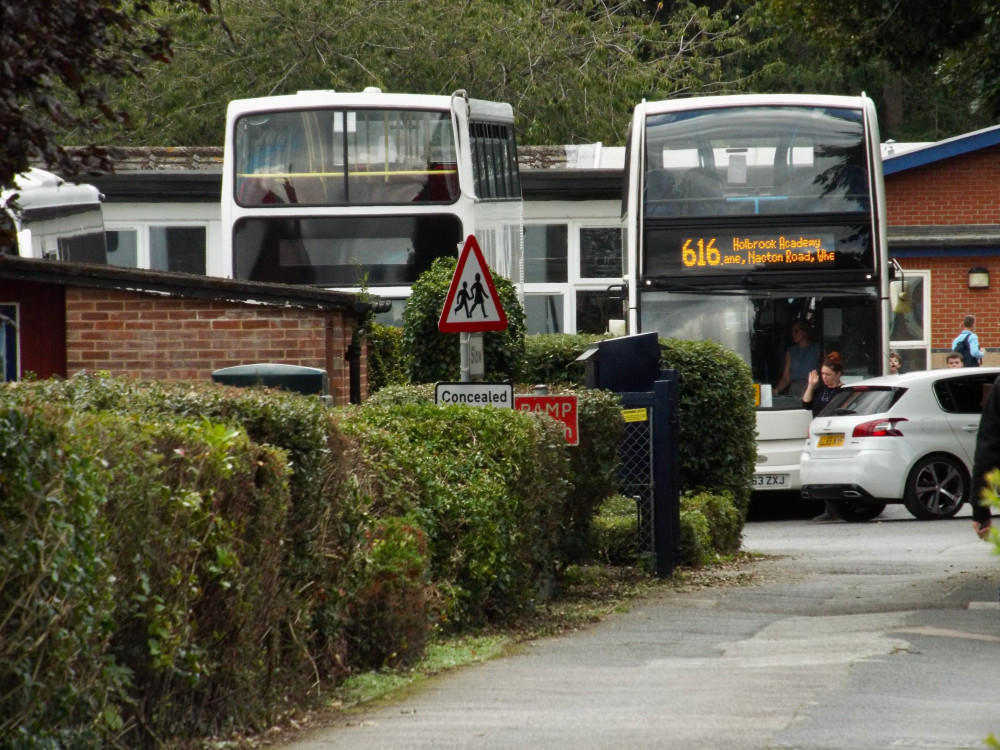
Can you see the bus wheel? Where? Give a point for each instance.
(857, 512)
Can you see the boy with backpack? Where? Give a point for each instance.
(966, 343)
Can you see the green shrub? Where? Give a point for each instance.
(717, 419)
(59, 686)
(433, 356)
(594, 467)
(324, 507)
(696, 539)
(615, 536)
(489, 487)
(390, 610)
(551, 358)
(386, 365)
(593, 463)
(710, 525)
(725, 522)
(196, 510)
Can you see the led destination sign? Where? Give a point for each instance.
(814, 251)
(676, 251)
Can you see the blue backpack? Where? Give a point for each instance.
(963, 347)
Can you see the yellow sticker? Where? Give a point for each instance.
(635, 415)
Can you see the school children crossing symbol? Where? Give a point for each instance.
(472, 304)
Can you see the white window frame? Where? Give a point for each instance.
(574, 281)
(143, 243)
(915, 344)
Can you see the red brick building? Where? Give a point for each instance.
(72, 317)
(943, 202)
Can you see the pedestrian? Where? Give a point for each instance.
(823, 384)
(801, 358)
(816, 397)
(987, 459)
(966, 343)
(954, 359)
(895, 363)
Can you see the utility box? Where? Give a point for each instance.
(623, 364)
(296, 378)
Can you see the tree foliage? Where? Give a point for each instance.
(572, 69)
(57, 55)
(956, 42)
(79, 72)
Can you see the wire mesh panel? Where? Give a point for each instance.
(635, 463)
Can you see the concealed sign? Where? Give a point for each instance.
(560, 408)
(500, 395)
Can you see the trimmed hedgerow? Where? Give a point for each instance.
(550, 358)
(593, 463)
(59, 685)
(489, 486)
(717, 418)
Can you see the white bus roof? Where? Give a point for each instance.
(759, 100)
(37, 189)
(371, 97)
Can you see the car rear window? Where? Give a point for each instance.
(862, 400)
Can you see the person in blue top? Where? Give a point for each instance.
(968, 335)
(801, 358)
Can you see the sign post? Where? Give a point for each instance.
(472, 307)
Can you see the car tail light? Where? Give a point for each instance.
(880, 428)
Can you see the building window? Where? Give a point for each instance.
(180, 249)
(159, 248)
(543, 313)
(600, 252)
(123, 247)
(546, 253)
(591, 311)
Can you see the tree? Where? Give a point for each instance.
(56, 52)
(956, 42)
(572, 69)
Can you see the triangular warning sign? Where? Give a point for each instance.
(472, 304)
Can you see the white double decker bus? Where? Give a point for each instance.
(746, 216)
(343, 190)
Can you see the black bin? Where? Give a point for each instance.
(306, 380)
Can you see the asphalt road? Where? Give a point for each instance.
(851, 636)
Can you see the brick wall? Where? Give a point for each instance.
(171, 338)
(952, 300)
(960, 190)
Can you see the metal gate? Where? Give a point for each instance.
(647, 470)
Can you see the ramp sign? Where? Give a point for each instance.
(472, 304)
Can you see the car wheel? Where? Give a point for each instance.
(936, 488)
(857, 512)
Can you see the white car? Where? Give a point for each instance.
(907, 438)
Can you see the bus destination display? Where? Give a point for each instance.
(786, 251)
(713, 252)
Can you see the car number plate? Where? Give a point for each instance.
(830, 441)
(770, 480)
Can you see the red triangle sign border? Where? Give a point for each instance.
(446, 324)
